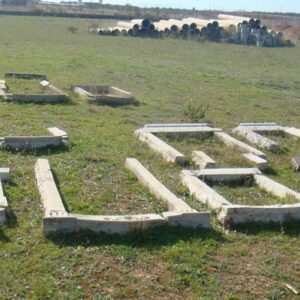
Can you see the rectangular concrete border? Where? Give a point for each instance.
(170, 154)
(229, 214)
(121, 97)
(59, 137)
(251, 131)
(58, 221)
(58, 95)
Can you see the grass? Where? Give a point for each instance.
(233, 83)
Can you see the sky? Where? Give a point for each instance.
(231, 5)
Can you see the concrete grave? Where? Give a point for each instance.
(55, 95)
(4, 176)
(228, 213)
(146, 134)
(296, 163)
(58, 138)
(109, 95)
(58, 221)
(253, 133)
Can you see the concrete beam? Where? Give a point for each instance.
(117, 224)
(47, 187)
(293, 131)
(202, 191)
(238, 214)
(257, 139)
(4, 174)
(296, 163)
(3, 200)
(168, 153)
(259, 162)
(155, 187)
(232, 142)
(274, 187)
(83, 94)
(30, 142)
(183, 130)
(202, 160)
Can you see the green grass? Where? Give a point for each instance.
(234, 83)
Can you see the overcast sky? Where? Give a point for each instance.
(250, 5)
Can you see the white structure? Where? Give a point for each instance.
(4, 175)
(57, 220)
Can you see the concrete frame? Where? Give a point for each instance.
(114, 95)
(59, 137)
(170, 154)
(57, 96)
(58, 221)
(252, 132)
(4, 175)
(228, 213)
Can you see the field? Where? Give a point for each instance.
(172, 80)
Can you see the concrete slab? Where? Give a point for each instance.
(260, 163)
(202, 160)
(296, 163)
(232, 142)
(293, 131)
(168, 153)
(226, 175)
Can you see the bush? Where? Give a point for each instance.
(72, 29)
(195, 111)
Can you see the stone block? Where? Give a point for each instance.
(232, 142)
(296, 163)
(202, 160)
(261, 163)
(168, 153)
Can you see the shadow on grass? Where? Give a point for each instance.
(290, 228)
(149, 239)
(59, 190)
(40, 152)
(135, 103)
(11, 222)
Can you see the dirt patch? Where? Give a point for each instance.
(289, 31)
(130, 278)
(254, 270)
